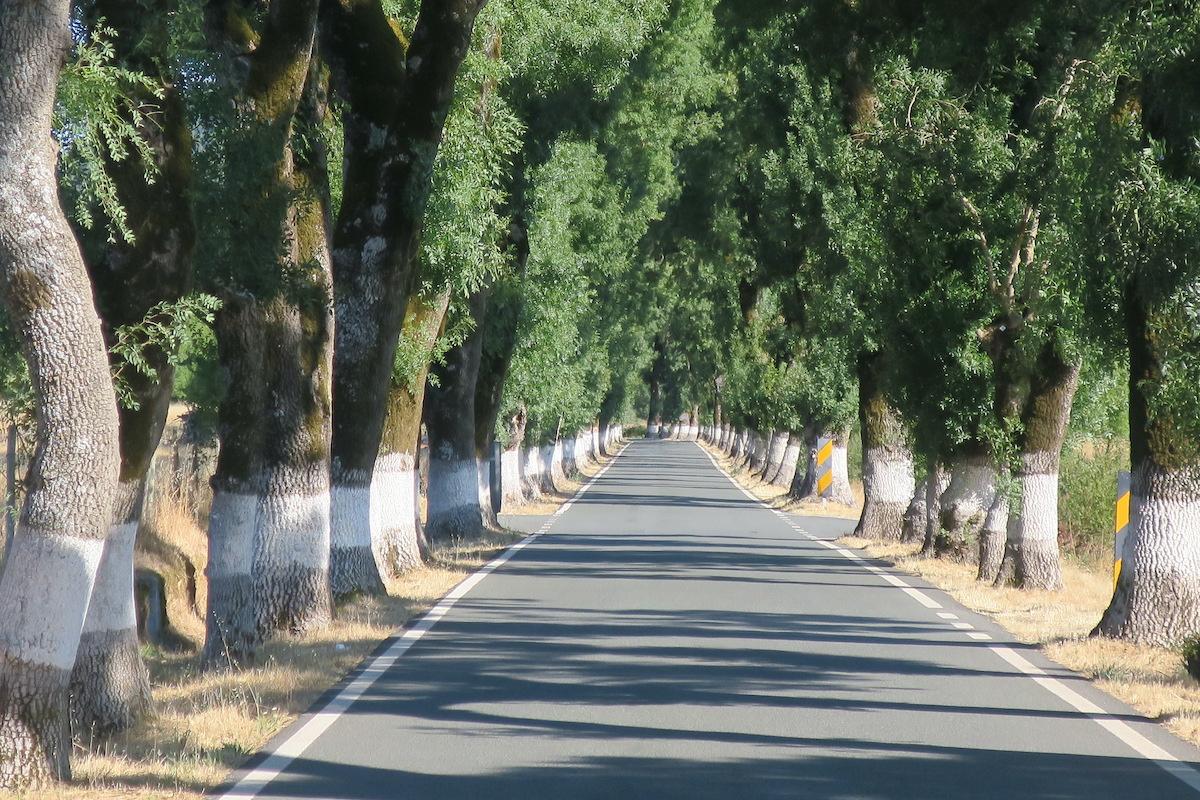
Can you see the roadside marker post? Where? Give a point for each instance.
(1121, 525)
(824, 466)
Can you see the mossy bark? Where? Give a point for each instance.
(1031, 557)
(271, 506)
(1157, 598)
(399, 543)
(888, 482)
(396, 98)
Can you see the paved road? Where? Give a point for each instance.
(669, 638)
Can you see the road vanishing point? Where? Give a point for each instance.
(667, 636)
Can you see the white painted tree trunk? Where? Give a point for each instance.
(67, 511)
(652, 430)
(512, 492)
(395, 539)
(776, 448)
(291, 552)
(756, 453)
(964, 506)
(110, 686)
(1157, 600)
(454, 510)
(531, 472)
(791, 458)
(888, 488)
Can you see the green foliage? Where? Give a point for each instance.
(100, 113)
(171, 329)
(1189, 651)
(1087, 496)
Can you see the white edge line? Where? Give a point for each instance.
(291, 748)
(1118, 728)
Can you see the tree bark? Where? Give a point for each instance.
(396, 103)
(110, 685)
(455, 511)
(269, 529)
(397, 535)
(1157, 599)
(936, 485)
(888, 480)
(68, 507)
(510, 461)
(1031, 559)
(791, 459)
(965, 504)
(776, 448)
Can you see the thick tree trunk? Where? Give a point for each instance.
(888, 480)
(913, 529)
(68, 508)
(1031, 559)
(455, 511)
(758, 452)
(965, 505)
(776, 448)
(936, 485)
(991, 538)
(1157, 599)
(397, 536)
(512, 492)
(791, 460)
(109, 685)
(393, 117)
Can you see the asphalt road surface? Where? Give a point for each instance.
(670, 638)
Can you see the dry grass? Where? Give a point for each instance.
(206, 723)
(777, 496)
(1151, 679)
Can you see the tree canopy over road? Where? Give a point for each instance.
(951, 236)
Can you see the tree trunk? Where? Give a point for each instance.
(775, 451)
(991, 538)
(965, 505)
(936, 485)
(454, 511)
(913, 529)
(68, 507)
(1157, 599)
(269, 529)
(1031, 558)
(510, 461)
(109, 685)
(393, 118)
(791, 458)
(888, 481)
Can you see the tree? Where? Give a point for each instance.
(65, 517)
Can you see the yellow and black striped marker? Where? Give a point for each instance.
(1121, 525)
(824, 466)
